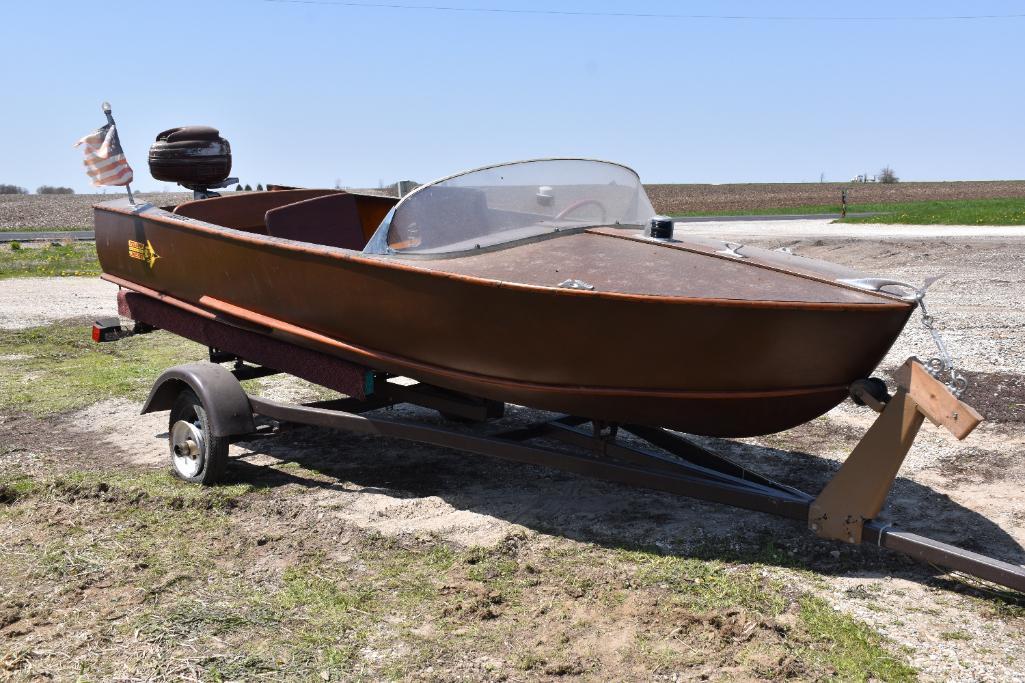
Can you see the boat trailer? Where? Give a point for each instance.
(210, 409)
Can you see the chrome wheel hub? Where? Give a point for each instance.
(187, 448)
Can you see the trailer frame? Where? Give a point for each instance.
(845, 510)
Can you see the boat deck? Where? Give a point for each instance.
(620, 260)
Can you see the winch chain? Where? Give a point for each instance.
(944, 364)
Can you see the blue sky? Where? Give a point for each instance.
(311, 94)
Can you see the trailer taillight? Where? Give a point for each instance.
(108, 329)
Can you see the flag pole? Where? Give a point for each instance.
(110, 121)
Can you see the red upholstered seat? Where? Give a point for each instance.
(332, 220)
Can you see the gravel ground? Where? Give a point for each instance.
(26, 302)
(968, 493)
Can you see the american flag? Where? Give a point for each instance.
(104, 159)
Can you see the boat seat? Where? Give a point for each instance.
(244, 210)
(332, 220)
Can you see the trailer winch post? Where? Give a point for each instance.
(857, 492)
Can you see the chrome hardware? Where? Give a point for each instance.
(575, 284)
(732, 250)
(944, 363)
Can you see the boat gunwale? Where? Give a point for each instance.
(162, 216)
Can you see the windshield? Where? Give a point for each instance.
(501, 204)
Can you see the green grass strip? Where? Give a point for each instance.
(958, 212)
(974, 212)
(18, 260)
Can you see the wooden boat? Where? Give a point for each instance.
(542, 283)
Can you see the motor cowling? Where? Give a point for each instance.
(192, 156)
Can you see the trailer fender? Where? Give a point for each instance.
(225, 401)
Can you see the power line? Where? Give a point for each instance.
(640, 15)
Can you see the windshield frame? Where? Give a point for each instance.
(378, 243)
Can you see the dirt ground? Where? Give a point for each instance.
(324, 485)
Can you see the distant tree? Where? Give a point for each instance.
(50, 189)
(248, 188)
(238, 188)
(259, 188)
(886, 175)
(12, 189)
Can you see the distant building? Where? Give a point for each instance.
(396, 189)
(403, 187)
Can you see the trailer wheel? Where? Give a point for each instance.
(196, 455)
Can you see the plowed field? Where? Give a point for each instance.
(74, 212)
(677, 199)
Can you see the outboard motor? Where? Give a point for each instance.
(196, 157)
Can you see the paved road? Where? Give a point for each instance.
(824, 228)
(30, 236)
(769, 217)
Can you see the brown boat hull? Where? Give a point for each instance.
(713, 367)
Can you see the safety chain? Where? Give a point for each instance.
(944, 364)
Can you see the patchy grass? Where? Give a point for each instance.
(182, 588)
(955, 635)
(852, 649)
(158, 487)
(832, 640)
(705, 584)
(14, 486)
(30, 260)
(55, 368)
(239, 582)
(954, 212)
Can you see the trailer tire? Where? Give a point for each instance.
(196, 455)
